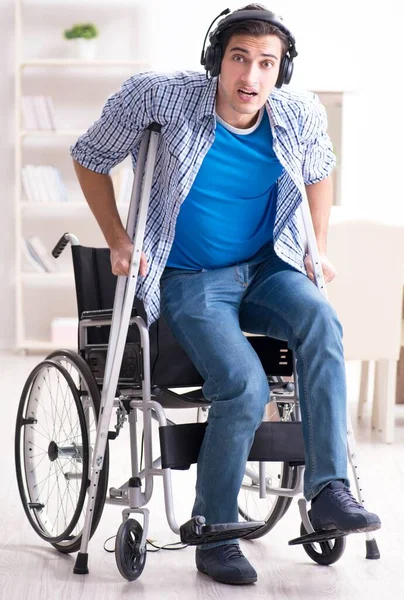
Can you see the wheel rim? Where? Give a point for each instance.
(130, 560)
(90, 415)
(52, 451)
(251, 506)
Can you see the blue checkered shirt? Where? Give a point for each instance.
(183, 103)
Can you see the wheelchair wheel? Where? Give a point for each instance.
(324, 553)
(130, 561)
(53, 449)
(278, 474)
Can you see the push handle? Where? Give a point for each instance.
(62, 243)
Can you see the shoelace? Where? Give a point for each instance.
(232, 551)
(346, 499)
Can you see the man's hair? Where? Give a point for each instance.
(254, 28)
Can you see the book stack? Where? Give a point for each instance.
(43, 184)
(38, 256)
(38, 113)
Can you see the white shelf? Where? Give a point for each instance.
(24, 133)
(58, 210)
(77, 62)
(47, 280)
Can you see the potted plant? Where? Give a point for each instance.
(84, 38)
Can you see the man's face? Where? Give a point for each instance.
(249, 71)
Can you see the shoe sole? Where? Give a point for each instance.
(247, 581)
(367, 529)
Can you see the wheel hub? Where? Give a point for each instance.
(53, 451)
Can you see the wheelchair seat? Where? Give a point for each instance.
(170, 365)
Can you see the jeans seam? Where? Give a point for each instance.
(309, 421)
(207, 436)
(202, 362)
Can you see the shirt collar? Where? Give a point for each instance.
(275, 113)
(208, 101)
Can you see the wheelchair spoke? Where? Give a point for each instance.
(46, 414)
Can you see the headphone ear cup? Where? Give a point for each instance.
(217, 60)
(289, 72)
(209, 58)
(285, 72)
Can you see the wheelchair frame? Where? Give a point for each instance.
(131, 493)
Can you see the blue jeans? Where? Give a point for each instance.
(207, 312)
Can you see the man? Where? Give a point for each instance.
(222, 241)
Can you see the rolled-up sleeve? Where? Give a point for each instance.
(119, 129)
(318, 156)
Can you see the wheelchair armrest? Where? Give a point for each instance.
(102, 314)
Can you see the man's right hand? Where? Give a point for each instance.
(121, 255)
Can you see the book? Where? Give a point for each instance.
(26, 185)
(29, 120)
(34, 193)
(43, 183)
(60, 186)
(38, 113)
(32, 258)
(39, 251)
(41, 112)
(51, 112)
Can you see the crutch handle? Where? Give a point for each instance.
(155, 127)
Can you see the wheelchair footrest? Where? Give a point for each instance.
(322, 535)
(196, 532)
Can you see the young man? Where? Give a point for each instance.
(223, 248)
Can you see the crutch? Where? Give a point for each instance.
(122, 310)
(372, 550)
(196, 529)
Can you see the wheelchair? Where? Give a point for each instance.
(64, 417)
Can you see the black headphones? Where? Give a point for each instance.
(211, 59)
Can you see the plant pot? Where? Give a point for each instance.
(84, 49)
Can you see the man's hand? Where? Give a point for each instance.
(121, 257)
(328, 268)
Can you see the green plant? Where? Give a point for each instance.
(81, 30)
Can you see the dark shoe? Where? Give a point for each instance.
(226, 564)
(336, 508)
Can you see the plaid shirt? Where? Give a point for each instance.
(183, 103)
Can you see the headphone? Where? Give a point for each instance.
(211, 59)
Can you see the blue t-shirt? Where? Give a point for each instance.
(229, 212)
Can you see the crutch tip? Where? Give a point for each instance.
(81, 564)
(372, 550)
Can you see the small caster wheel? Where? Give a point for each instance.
(130, 561)
(324, 553)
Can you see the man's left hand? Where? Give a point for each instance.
(329, 270)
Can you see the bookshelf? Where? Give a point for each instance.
(75, 62)
(45, 72)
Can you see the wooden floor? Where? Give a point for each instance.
(32, 569)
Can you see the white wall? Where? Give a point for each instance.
(343, 45)
(323, 60)
(6, 175)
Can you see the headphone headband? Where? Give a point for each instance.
(257, 15)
